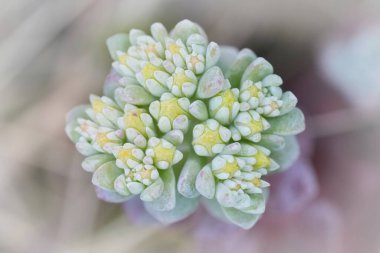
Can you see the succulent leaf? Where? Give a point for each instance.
(117, 42)
(242, 219)
(183, 208)
(291, 123)
(288, 155)
(182, 119)
(167, 199)
(187, 179)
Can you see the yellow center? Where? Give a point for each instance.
(98, 105)
(171, 109)
(254, 91)
(148, 71)
(274, 105)
(163, 154)
(123, 59)
(180, 78)
(174, 48)
(262, 160)
(228, 99)
(255, 126)
(132, 120)
(256, 182)
(102, 139)
(125, 154)
(231, 168)
(145, 174)
(208, 139)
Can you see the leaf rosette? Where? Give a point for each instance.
(183, 119)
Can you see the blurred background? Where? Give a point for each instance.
(53, 55)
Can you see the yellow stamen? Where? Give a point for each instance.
(163, 154)
(102, 139)
(148, 71)
(145, 174)
(254, 91)
(180, 78)
(256, 126)
(262, 160)
(98, 105)
(171, 109)
(256, 182)
(208, 139)
(132, 120)
(125, 154)
(174, 48)
(231, 168)
(123, 59)
(274, 105)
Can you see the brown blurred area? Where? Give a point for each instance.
(53, 55)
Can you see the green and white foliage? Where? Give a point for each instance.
(187, 120)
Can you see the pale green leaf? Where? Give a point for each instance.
(118, 42)
(187, 178)
(205, 182)
(184, 207)
(289, 102)
(211, 83)
(272, 141)
(237, 68)
(153, 191)
(167, 200)
(288, 155)
(133, 94)
(105, 175)
(92, 163)
(228, 55)
(184, 29)
(237, 217)
(257, 70)
(289, 124)
(111, 196)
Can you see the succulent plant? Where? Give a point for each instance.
(184, 120)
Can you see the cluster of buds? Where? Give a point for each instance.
(184, 120)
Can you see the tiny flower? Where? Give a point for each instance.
(225, 106)
(128, 156)
(87, 128)
(175, 52)
(182, 83)
(250, 125)
(195, 62)
(138, 125)
(153, 78)
(104, 110)
(163, 153)
(227, 166)
(210, 138)
(181, 121)
(170, 112)
(250, 95)
(107, 138)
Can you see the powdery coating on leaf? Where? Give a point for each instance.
(181, 117)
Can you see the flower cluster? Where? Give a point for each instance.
(182, 120)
